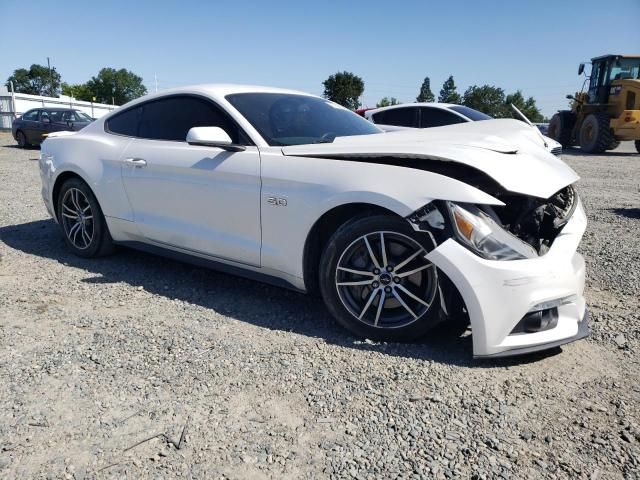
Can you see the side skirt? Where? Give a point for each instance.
(211, 264)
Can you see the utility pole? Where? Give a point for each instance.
(50, 78)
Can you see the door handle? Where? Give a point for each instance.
(136, 162)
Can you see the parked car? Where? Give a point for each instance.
(397, 231)
(427, 115)
(543, 127)
(34, 126)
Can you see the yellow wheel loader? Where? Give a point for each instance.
(608, 113)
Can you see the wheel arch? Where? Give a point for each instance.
(57, 186)
(322, 230)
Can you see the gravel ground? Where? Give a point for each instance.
(105, 362)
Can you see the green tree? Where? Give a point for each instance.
(486, 98)
(78, 91)
(386, 102)
(344, 88)
(528, 107)
(118, 86)
(38, 80)
(426, 95)
(449, 92)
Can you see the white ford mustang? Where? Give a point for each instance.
(397, 231)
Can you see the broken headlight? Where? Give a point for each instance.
(475, 229)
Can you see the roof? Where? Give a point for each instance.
(614, 55)
(216, 91)
(57, 109)
(415, 104)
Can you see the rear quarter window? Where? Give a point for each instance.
(125, 123)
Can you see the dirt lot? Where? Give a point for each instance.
(100, 355)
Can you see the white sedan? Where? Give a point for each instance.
(396, 231)
(429, 115)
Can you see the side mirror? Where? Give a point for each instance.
(45, 120)
(581, 69)
(212, 137)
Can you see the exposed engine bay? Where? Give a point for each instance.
(536, 221)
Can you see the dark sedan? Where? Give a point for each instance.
(34, 126)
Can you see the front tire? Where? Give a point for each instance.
(595, 134)
(80, 217)
(376, 282)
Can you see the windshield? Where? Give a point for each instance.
(286, 119)
(625, 68)
(470, 113)
(82, 117)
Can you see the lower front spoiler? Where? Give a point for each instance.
(583, 332)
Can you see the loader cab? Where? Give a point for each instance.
(607, 69)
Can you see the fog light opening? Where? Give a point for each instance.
(538, 321)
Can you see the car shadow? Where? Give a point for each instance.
(18, 147)
(575, 152)
(242, 299)
(628, 212)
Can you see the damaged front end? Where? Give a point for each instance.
(525, 227)
(511, 270)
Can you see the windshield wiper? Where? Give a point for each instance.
(323, 140)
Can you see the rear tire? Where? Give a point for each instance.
(638, 145)
(372, 291)
(21, 139)
(561, 127)
(80, 217)
(595, 134)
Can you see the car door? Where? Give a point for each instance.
(438, 117)
(61, 120)
(30, 125)
(44, 126)
(203, 200)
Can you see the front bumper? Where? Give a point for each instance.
(498, 294)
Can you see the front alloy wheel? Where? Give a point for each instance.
(376, 280)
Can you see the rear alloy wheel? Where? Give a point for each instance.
(376, 280)
(79, 215)
(21, 139)
(595, 134)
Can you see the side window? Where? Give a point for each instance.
(595, 74)
(401, 117)
(31, 116)
(437, 117)
(125, 123)
(56, 116)
(171, 118)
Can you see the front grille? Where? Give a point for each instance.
(557, 151)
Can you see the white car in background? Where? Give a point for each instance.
(428, 115)
(396, 231)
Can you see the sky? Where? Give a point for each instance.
(534, 46)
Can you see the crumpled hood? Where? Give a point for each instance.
(509, 151)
